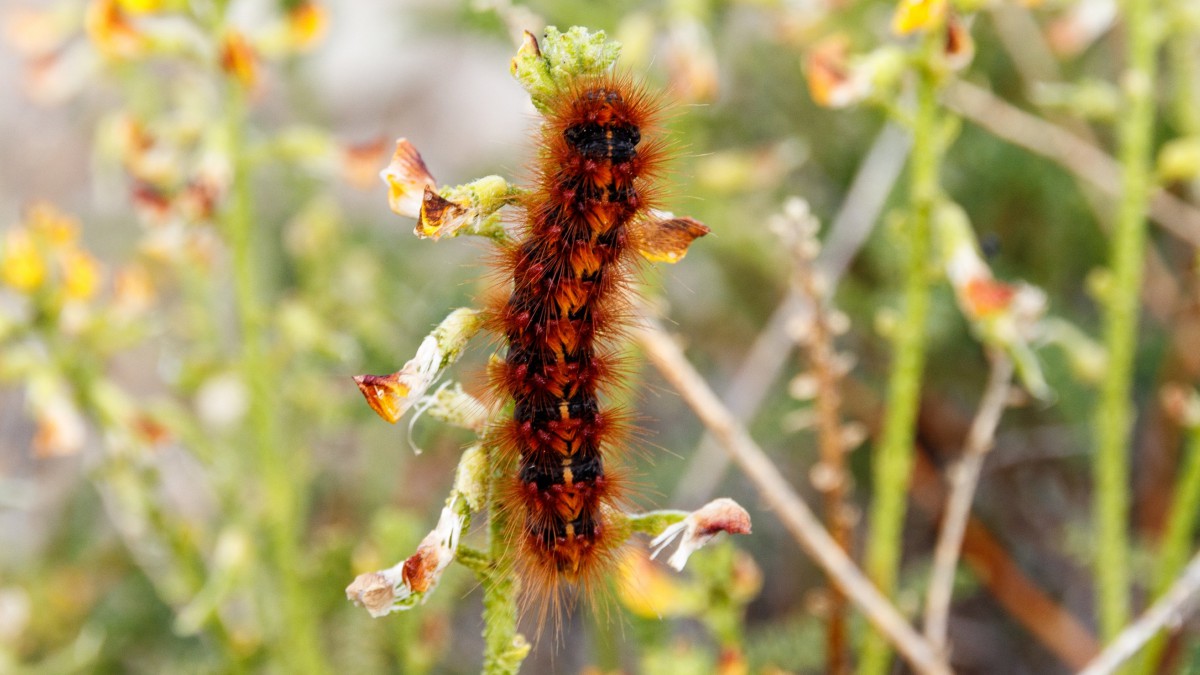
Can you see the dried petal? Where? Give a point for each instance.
(407, 179)
(959, 47)
(388, 395)
(418, 571)
(441, 217)
(392, 395)
(666, 238)
(374, 591)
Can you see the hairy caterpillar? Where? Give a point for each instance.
(567, 266)
(570, 273)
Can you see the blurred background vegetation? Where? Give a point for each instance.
(198, 255)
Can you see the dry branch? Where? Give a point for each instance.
(964, 476)
(787, 505)
(1174, 606)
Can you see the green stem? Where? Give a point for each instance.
(504, 647)
(1181, 50)
(892, 463)
(1113, 416)
(1177, 539)
(300, 640)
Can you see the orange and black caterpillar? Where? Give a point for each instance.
(570, 272)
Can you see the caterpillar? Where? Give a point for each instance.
(570, 271)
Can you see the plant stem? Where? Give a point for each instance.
(1113, 415)
(1171, 610)
(892, 464)
(504, 647)
(1177, 539)
(1185, 103)
(299, 643)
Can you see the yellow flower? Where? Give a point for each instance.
(306, 24)
(81, 274)
(55, 227)
(21, 265)
(141, 6)
(110, 30)
(918, 15)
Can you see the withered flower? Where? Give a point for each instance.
(832, 83)
(392, 395)
(238, 59)
(441, 217)
(699, 528)
(959, 47)
(388, 395)
(407, 180)
(407, 584)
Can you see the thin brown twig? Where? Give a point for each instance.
(1046, 620)
(1076, 155)
(964, 477)
(787, 505)
(1175, 605)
